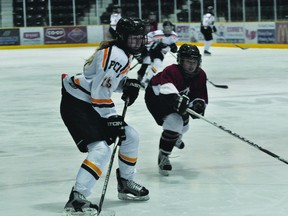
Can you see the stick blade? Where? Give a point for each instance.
(223, 86)
(243, 48)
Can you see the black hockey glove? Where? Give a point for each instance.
(214, 29)
(115, 127)
(173, 48)
(131, 89)
(198, 105)
(160, 46)
(181, 103)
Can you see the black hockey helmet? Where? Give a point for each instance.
(127, 27)
(116, 9)
(210, 9)
(147, 25)
(190, 52)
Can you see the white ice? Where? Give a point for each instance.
(215, 175)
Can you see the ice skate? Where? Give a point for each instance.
(78, 205)
(164, 164)
(207, 52)
(130, 190)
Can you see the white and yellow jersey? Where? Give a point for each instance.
(100, 79)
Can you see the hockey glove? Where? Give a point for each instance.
(115, 127)
(160, 46)
(173, 48)
(181, 104)
(214, 29)
(131, 89)
(198, 105)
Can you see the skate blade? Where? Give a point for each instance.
(85, 212)
(164, 172)
(88, 212)
(123, 196)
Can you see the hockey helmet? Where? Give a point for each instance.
(116, 9)
(210, 9)
(147, 25)
(131, 34)
(189, 59)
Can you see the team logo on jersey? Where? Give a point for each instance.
(116, 66)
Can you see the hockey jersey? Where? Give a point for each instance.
(208, 20)
(105, 75)
(114, 18)
(158, 36)
(171, 81)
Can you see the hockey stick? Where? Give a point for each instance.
(191, 112)
(215, 85)
(134, 66)
(243, 48)
(218, 86)
(116, 143)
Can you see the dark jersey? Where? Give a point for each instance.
(171, 81)
(161, 91)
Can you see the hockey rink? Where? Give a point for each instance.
(216, 174)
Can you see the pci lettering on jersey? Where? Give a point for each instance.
(115, 65)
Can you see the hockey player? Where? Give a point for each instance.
(170, 93)
(207, 28)
(144, 58)
(114, 18)
(160, 42)
(92, 120)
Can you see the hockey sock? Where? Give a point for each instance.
(167, 141)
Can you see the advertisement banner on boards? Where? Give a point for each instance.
(30, 36)
(9, 37)
(189, 32)
(281, 30)
(232, 32)
(266, 33)
(65, 35)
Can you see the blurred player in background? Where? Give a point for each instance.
(160, 42)
(207, 29)
(114, 18)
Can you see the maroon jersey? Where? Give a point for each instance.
(161, 91)
(171, 81)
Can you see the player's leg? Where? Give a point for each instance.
(128, 189)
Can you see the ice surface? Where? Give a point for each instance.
(215, 175)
